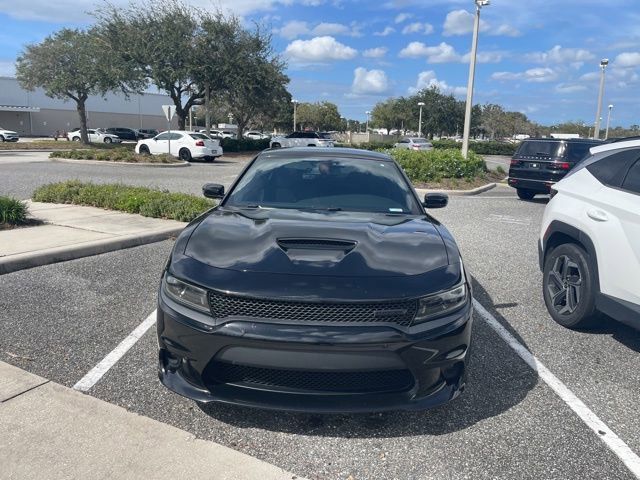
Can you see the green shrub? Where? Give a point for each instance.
(120, 154)
(12, 211)
(142, 200)
(481, 148)
(243, 144)
(435, 165)
(373, 146)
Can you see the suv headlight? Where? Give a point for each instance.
(185, 293)
(441, 304)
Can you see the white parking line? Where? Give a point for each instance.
(611, 440)
(97, 372)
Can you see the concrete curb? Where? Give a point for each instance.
(103, 162)
(23, 261)
(458, 193)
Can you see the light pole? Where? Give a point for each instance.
(603, 66)
(368, 113)
(472, 74)
(295, 103)
(420, 104)
(606, 134)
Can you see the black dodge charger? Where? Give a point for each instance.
(317, 284)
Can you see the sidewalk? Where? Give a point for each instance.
(54, 432)
(72, 231)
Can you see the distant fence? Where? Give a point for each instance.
(355, 138)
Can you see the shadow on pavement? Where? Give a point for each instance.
(620, 332)
(498, 380)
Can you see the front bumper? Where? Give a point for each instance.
(423, 366)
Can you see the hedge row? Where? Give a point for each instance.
(243, 144)
(435, 165)
(145, 201)
(481, 148)
(113, 155)
(12, 211)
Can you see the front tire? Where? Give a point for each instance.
(76, 139)
(569, 286)
(107, 140)
(144, 150)
(525, 194)
(1, 139)
(275, 145)
(185, 155)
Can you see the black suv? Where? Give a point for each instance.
(539, 163)
(124, 133)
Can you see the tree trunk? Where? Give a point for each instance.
(82, 112)
(182, 119)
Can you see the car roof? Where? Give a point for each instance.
(559, 140)
(617, 145)
(315, 152)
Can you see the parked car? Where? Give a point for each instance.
(184, 145)
(255, 135)
(227, 134)
(8, 135)
(147, 133)
(124, 133)
(539, 163)
(590, 239)
(96, 135)
(302, 139)
(414, 143)
(319, 283)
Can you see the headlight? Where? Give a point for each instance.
(441, 303)
(186, 294)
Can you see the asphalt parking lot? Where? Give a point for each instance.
(60, 320)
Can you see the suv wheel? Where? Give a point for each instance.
(144, 150)
(569, 286)
(525, 194)
(1, 139)
(275, 145)
(107, 140)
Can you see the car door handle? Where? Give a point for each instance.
(597, 215)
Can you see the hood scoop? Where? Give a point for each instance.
(335, 245)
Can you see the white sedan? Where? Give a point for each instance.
(414, 143)
(95, 136)
(255, 135)
(181, 144)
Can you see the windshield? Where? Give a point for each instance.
(325, 136)
(325, 184)
(419, 140)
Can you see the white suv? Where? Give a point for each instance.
(302, 139)
(590, 239)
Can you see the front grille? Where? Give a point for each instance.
(312, 381)
(315, 244)
(398, 312)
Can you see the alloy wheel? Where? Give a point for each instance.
(565, 285)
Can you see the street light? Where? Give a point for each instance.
(368, 113)
(420, 104)
(606, 134)
(603, 66)
(295, 103)
(472, 74)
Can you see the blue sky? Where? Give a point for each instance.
(539, 57)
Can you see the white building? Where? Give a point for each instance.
(33, 113)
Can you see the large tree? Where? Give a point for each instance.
(73, 65)
(163, 40)
(319, 116)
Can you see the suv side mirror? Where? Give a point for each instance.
(213, 190)
(435, 200)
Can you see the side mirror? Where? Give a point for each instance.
(435, 200)
(213, 190)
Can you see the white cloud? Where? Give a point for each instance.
(385, 32)
(569, 88)
(506, 30)
(627, 60)
(484, 57)
(402, 17)
(294, 29)
(443, 53)
(331, 29)
(428, 79)
(558, 54)
(536, 75)
(319, 49)
(377, 52)
(369, 82)
(417, 27)
(460, 22)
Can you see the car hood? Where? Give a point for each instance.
(8, 132)
(317, 243)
